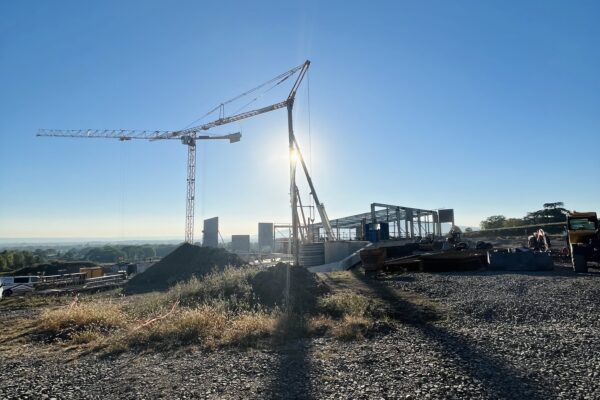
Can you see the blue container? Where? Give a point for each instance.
(376, 232)
(371, 235)
(384, 231)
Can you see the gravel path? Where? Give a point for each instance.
(504, 336)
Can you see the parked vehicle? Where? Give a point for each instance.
(13, 285)
(583, 239)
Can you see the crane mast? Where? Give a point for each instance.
(191, 188)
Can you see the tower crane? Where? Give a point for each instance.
(294, 150)
(189, 136)
(128, 134)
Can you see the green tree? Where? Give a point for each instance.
(105, 254)
(552, 206)
(28, 258)
(71, 254)
(513, 222)
(552, 212)
(493, 222)
(40, 255)
(8, 258)
(147, 251)
(18, 259)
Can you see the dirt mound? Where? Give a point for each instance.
(180, 265)
(269, 287)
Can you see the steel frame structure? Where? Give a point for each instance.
(405, 222)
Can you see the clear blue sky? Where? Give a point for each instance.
(486, 107)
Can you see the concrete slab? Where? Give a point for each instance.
(340, 249)
(344, 264)
(331, 267)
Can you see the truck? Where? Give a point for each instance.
(583, 239)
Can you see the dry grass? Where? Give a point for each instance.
(64, 322)
(202, 325)
(87, 336)
(228, 290)
(348, 303)
(214, 323)
(344, 303)
(232, 285)
(247, 329)
(205, 326)
(346, 315)
(217, 310)
(351, 327)
(320, 325)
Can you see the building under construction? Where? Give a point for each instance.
(385, 221)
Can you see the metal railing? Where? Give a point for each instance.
(108, 280)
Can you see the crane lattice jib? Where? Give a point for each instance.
(121, 134)
(222, 121)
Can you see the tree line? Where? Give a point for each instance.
(551, 212)
(15, 259)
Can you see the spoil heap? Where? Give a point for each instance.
(269, 287)
(180, 265)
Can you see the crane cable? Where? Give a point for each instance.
(279, 79)
(262, 94)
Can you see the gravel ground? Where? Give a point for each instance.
(503, 336)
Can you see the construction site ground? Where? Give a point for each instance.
(481, 334)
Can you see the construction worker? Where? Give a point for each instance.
(539, 241)
(543, 241)
(454, 235)
(532, 240)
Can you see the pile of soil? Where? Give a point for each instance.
(269, 287)
(180, 265)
